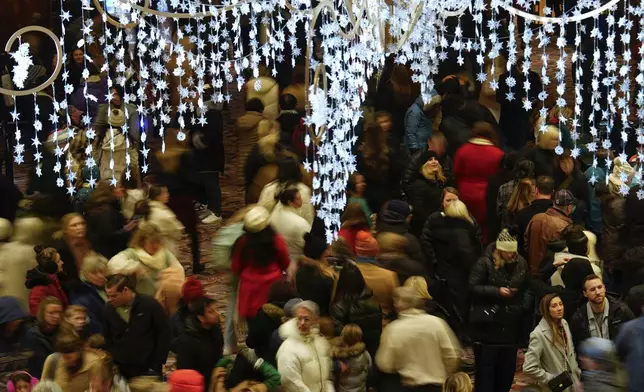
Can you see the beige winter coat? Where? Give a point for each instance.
(17, 257)
(246, 129)
(544, 360)
(171, 229)
(268, 93)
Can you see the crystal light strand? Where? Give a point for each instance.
(527, 64)
(577, 59)
(624, 99)
(35, 142)
(639, 100)
(610, 66)
(87, 121)
(560, 77)
(20, 148)
(595, 94)
(65, 16)
(510, 81)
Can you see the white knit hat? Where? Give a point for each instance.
(505, 242)
(256, 219)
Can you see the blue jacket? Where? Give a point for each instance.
(630, 348)
(86, 295)
(418, 128)
(15, 353)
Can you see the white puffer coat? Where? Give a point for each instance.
(303, 361)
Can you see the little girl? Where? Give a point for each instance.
(458, 382)
(21, 382)
(350, 350)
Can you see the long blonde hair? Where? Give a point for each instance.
(522, 195)
(458, 209)
(544, 309)
(439, 175)
(64, 222)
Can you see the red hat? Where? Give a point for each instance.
(366, 245)
(192, 289)
(186, 380)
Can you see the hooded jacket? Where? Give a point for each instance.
(43, 285)
(15, 349)
(198, 348)
(363, 311)
(357, 358)
(304, 361)
(260, 329)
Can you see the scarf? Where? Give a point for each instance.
(157, 261)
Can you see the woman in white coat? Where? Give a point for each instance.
(18, 256)
(291, 226)
(148, 259)
(160, 215)
(551, 350)
(303, 359)
(289, 176)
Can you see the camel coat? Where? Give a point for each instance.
(78, 382)
(544, 360)
(246, 129)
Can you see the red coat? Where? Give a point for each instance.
(42, 286)
(255, 281)
(474, 163)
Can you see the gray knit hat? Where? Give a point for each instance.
(506, 243)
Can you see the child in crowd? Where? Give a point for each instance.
(21, 382)
(351, 351)
(458, 382)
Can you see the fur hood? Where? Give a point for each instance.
(341, 352)
(273, 311)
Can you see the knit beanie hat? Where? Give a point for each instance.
(505, 242)
(598, 349)
(314, 247)
(398, 207)
(186, 380)
(366, 245)
(256, 219)
(192, 289)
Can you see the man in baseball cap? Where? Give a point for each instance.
(547, 226)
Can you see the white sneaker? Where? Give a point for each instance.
(211, 218)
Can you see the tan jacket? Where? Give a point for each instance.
(246, 129)
(542, 229)
(419, 347)
(268, 93)
(78, 382)
(383, 283)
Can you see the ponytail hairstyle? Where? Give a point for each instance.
(47, 259)
(522, 195)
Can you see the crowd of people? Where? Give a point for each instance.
(466, 230)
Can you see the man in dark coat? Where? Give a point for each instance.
(137, 332)
(601, 317)
(208, 144)
(515, 120)
(201, 345)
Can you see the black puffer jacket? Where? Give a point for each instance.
(618, 314)
(412, 171)
(363, 311)
(261, 327)
(453, 245)
(199, 349)
(425, 199)
(485, 281)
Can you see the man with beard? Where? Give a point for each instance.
(601, 317)
(71, 365)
